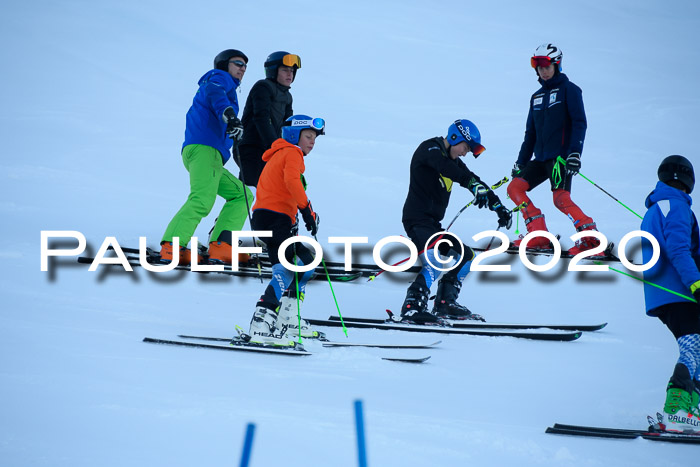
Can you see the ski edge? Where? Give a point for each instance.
(543, 336)
(244, 348)
(477, 325)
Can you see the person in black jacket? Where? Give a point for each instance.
(268, 106)
(555, 130)
(435, 166)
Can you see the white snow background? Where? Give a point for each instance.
(93, 100)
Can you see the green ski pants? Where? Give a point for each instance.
(208, 178)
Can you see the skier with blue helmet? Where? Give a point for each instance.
(435, 166)
(281, 195)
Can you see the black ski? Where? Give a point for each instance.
(444, 329)
(466, 324)
(381, 346)
(231, 347)
(406, 360)
(329, 343)
(620, 433)
(335, 275)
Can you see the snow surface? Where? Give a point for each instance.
(93, 102)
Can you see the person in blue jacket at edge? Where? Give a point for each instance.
(212, 127)
(672, 223)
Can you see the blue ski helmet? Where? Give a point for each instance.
(464, 130)
(294, 124)
(275, 59)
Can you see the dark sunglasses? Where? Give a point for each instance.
(239, 63)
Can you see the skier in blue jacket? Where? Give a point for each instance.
(670, 220)
(555, 130)
(212, 127)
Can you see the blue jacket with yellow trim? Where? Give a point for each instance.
(670, 220)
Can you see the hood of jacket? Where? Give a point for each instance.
(663, 191)
(209, 73)
(276, 146)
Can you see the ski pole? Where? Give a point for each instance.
(516, 209)
(247, 445)
(296, 281)
(360, 430)
(650, 283)
(335, 299)
(493, 187)
(247, 204)
(562, 161)
(488, 247)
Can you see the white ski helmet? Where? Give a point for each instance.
(545, 55)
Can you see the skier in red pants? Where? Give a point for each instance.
(556, 128)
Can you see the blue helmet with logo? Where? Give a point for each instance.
(294, 124)
(465, 131)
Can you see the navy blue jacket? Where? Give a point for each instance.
(556, 122)
(670, 220)
(204, 123)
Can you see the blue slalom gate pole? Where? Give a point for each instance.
(247, 444)
(360, 427)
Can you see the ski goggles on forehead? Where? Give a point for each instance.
(540, 61)
(291, 60)
(316, 123)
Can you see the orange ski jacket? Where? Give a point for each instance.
(280, 188)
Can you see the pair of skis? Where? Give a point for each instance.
(239, 344)
(546, 332)
(655, 432)
(469, 328)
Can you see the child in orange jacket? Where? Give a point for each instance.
(280, 194)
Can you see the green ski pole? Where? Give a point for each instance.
(562, 161)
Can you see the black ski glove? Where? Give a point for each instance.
(505, 217)
(481, 198)
(234, 127)
(311, 219)
(517, 168)
(573, 163)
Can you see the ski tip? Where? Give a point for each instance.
(407, 360)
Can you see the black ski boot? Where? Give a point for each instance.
(446, 305)
(415, 306)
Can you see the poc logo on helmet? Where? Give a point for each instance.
(306, 123)
(463, 130)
